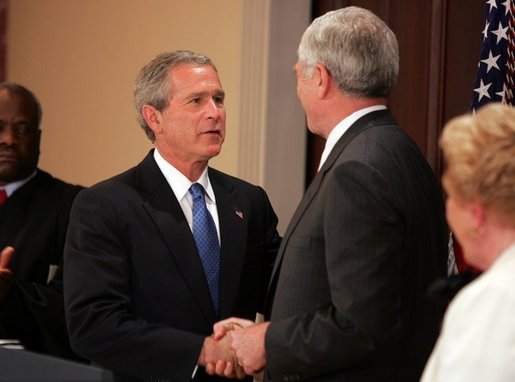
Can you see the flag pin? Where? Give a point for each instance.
(239, 214)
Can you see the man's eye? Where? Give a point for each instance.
(21, 128)
(219, 100)
(195, 100)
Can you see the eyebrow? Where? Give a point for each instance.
(220, 93)
(204, 94)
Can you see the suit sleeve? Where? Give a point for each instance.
(34, 314)
(361, 246)
(97, 277)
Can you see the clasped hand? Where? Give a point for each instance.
(246, 348)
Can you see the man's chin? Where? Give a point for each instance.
(9, 173)
(214, 151)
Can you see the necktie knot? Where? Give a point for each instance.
(197, 191)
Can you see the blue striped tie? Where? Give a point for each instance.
(206, 237)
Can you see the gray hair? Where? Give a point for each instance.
(28, 95)
(152, 86)
(358, 49)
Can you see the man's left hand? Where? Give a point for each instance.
(6, 275)
(248, 345)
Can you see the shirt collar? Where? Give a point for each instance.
(11, 187)
(342, 127)
(179, 183)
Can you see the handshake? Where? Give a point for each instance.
(235, 349)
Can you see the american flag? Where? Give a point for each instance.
(495, 76)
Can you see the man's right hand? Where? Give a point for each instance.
(217, 357)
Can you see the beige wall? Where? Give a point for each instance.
(81, 59)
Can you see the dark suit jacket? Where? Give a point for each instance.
(137, 300)
(34, 220)
(351, 273)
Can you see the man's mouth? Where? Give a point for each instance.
(8, 156)
(213, 132)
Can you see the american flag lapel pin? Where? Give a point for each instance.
(238, 213)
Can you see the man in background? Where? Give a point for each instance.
(347, 296)
(34, 212)
(156, 255)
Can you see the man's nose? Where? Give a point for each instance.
(7, 136)
(213, 109)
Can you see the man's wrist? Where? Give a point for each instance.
(202, 357)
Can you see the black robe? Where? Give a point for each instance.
(34, 220)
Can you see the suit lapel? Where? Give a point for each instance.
(164, 209)
(233, 233)
(369, 120)
(301, 208)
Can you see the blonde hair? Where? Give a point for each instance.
(480, 154)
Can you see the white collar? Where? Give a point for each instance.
(11, 187)
(179, 183)
(340, 129)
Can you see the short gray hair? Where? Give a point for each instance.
(359, 50)
(152, 86)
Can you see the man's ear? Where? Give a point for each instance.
(478, 216)
(323, 80)
(38, 138)
(152, 117)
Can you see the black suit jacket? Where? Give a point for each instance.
(137, 300)
(352, 271)
(34, 220)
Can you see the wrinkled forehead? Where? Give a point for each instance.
(192, 77)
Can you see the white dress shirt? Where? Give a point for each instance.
(180, 186)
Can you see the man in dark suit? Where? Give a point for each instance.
(33, 222)
(139, 298)
(347, 295)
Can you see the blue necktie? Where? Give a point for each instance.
(206, 237)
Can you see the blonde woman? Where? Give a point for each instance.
(477, 342)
